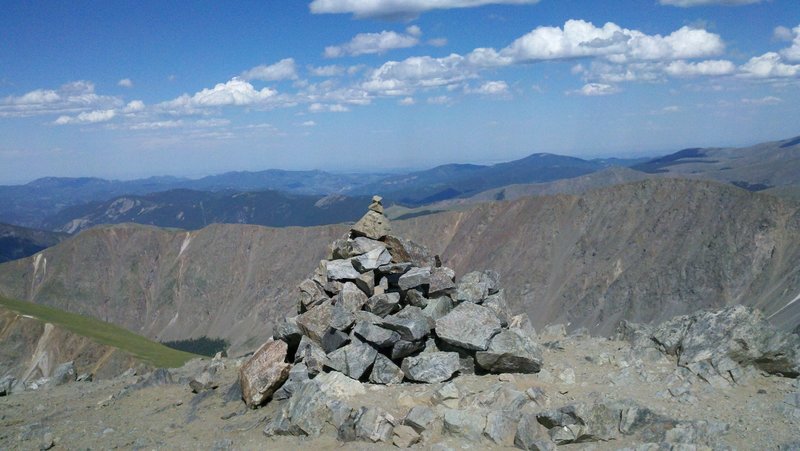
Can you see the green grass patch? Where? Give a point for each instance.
(101, 332)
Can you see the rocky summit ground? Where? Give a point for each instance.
(160, 411)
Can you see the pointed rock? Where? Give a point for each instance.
(372, 225)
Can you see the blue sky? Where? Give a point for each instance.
(130, 89)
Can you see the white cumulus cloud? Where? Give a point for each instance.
(87, 117)
(707, 68)
(74, 97)
(400, 8)
(284, 69)
(125, 83)
(768, 100)
(375, 43)
(579, 39)
(134, 106)
(235, 92)
(596, 89)
(793, 53)
(769, 65)
(492, 88)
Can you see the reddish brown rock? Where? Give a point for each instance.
(264, 373)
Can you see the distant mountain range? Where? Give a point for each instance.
(288, 198)
(191, 210)
(755, 168)
(460, 181)
(28, 205)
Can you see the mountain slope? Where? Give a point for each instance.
(192, 210)
(644, 251)
(758, 167)
(36, 339)
(455, 181)
(18, 242)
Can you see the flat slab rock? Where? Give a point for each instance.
(468, 326)
(431, 367)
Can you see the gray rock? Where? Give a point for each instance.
(394, 270)
(468, 326)
(286, 329)
(341, 270)
(204, 381)
(264, 373)
(384, 371)
(471, 292)
(415, 277)
(373, 424)
(416, 298)
(497, 304)
(376, 204)
(372, 225)
(442, 281)
(419, 418)
(342, 318)
(333, 287)
(465, 424)
(372, 260)
(403, 250)
(339, 386)
(720, 346)
(501, 427)
(85, 377)
(333, 340)
(367, 317)
(448, 395)
(311, 355)
(350, 297)
(353, 360)
(383, 304)
(315, 322)
(599, 421)
(404, 348)
(531, 435)
(410, 323)
(438, 307)
(366, 283)
(431, 367)
(298, 376)
(378, 336)
(476, 286)
(510, 352)
(311, 294)
(362, 245)
(306, 413)
(405, 436)
(63, 374)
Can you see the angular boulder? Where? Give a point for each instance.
(384, 371)
(315, 322)
(264, 373)
(510, 352)
(353, 360)
(468, 326)
(410, 323)
(372, 225)
(431, 367)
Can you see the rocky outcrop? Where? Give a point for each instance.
(721, 347)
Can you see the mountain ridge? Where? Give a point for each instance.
(642, 251)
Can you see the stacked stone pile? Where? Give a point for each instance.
(382, 309)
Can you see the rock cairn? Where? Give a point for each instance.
(381, 309)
